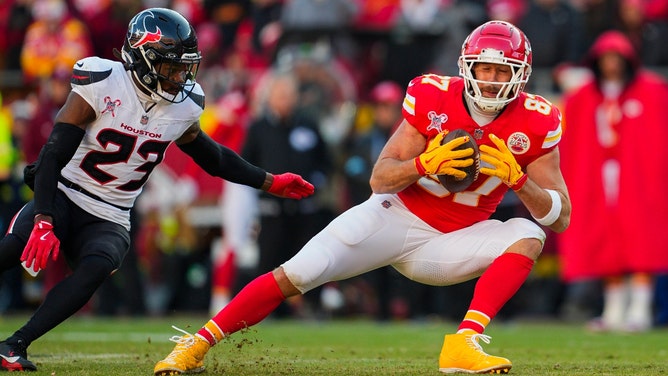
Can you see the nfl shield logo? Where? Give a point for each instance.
(144, 119)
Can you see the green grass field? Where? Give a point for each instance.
(120, 346)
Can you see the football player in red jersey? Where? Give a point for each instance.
(411, 222)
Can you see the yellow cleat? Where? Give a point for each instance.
(186, 357)
(462, 353)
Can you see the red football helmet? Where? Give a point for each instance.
(497, 42)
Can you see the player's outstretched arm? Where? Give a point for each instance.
(221, 161)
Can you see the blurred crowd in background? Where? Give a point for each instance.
(198, 239)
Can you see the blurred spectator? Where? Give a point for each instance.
(599, 16)
(107, 22)
(378, 15)
(265, 15)
(556, 31)
(316, 37)
(225, 123)
(234, 70)
(645, 34)
(327, 91)
(426, 37)
(54, 40)
(282, 138)
(366, 143)
(227, 15)
(15, 17)
(13, 193)
(192, 10)
(51, 95)
(655, 10)
(8, 153)
(612, 235)
(308, 21)
(507, 10)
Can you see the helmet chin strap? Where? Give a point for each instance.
(480, 116)
(165, 96)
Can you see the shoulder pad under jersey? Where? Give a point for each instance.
(92, 69)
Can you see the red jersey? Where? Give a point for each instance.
(530, 125)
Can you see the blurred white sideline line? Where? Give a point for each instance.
(109, 337)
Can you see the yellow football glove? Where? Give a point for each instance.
(442, 159)
(505, 165)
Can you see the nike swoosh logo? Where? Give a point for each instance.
(43, 237)
(10, 359)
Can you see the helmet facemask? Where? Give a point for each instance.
(170, 77)
(495, 42)
(508, 91)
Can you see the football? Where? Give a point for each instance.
(451, 183)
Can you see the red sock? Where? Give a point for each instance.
(495, 287)
(250, 306)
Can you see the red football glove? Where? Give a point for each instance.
(290, 185)
(42, 243)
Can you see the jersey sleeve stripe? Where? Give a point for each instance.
(82, 77)
(552, 138)
(409, 104)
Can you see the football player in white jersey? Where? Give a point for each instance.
(413, 223)
(118, 120)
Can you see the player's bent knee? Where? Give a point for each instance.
(529, 247)
(287, 287)
(530, 237)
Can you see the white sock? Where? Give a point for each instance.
(614, 304)
(639, 316)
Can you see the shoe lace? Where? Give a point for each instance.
(183, 342)
(475, 338)
(186, 339)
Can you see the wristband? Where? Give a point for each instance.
(554, 212)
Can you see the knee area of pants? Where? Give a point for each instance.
(97, 265)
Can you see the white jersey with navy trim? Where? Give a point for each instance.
(125, 142)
